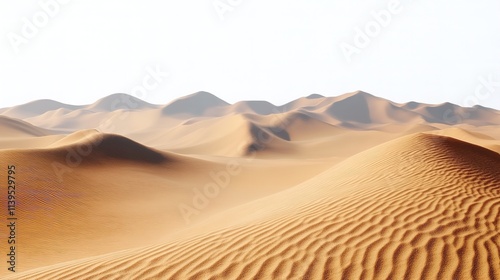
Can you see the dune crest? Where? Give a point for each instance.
(114, 146)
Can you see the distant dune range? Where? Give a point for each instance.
(347, 187)
(175, 125)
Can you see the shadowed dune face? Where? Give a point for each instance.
(109, 145)
(122, 148)
(348, 187)
(351, 109)
(93, 193)
(99, 206)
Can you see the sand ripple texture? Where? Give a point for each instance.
(419, 207)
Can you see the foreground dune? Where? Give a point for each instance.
(91, 193)
(419, 207)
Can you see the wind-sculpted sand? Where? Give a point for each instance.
(440, 221)
(304, 197)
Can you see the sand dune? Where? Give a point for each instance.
(346, 187)
(119, 101)
(356, 110)
(36, 108)
(29, 142)
(195, 104)
(364, 108)
(18, 134)
(114, 146)
(432, 223)
(471, 137)
(234, 135)
(90, 189)
(17, 128)
(302, 126)
(311, 101)
(254, 107)
(92, 193)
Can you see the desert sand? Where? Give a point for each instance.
(346, 187)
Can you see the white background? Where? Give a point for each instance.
(432, 51)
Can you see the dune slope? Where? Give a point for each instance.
(10, 127)
(419, 207)
(91, 193)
